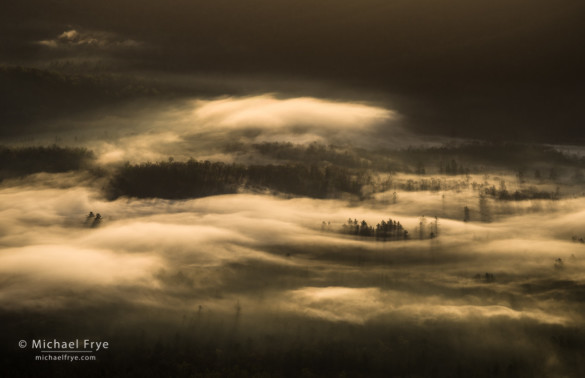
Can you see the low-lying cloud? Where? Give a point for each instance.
(244, 246)
(201, 129)
(256, 267)
(270, 113)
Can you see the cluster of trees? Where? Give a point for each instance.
(433, 184)
(390, 230)
(307, 180)
(314, 152)
(20, 161)
(175, 180)
(192, 179)
(494, 153)
(521, 195)
(93, 220)
(452, 168)
(520, 157)
(426, 230)
(345, 156)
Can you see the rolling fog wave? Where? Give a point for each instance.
(271, 254)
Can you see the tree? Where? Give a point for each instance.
(484, 209)
(365, 230)
(466, 217)
(422, 224)
(97, 221)
(435, 233)
(89, 219)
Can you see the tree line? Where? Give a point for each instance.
(521, 195)
(424, 160)
(385, 230)
(192, 179)
(21, 161)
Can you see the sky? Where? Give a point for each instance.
(506, 70)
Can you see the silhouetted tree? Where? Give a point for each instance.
(435, 227)
(384, 230)
(89, 219)
(421, 228)
(484, 210)
(97, 221)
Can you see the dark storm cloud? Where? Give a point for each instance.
(504, 69)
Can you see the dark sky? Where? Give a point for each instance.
(509, 69)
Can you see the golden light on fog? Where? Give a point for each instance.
(269, 112)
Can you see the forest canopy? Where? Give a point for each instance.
(16, 162)
(192, 179)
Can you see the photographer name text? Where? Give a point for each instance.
(70, 345)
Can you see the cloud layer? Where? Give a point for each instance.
(248, 245)
(202, 129)
(224, 269)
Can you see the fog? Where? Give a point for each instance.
(201, 129)
(246, 246)
(253, 256)
(293, 189)
(260, 264)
